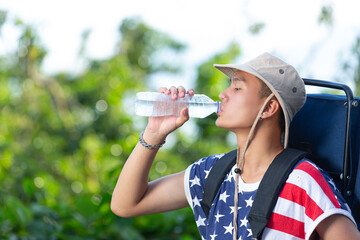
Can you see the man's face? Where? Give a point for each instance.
(240, 103)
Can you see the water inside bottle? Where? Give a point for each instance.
(155, 104)
(161, 108)
(201, 110)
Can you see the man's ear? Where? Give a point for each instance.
(271, 108)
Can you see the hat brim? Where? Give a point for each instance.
(230, 69)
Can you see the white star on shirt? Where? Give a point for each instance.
(229, 229)
(213, 236)
(199, 162)
(249, 202)
(218, 216)
(240, 238)
(224, 196)
(244, 222)
(200, 222)
(250, 232)
(195, 181)
(207, 173)
(229, 177)
(219, 155)
(196, 202)
(232, 209)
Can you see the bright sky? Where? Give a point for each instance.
(206, 26)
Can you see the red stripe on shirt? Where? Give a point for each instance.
(287, 225)
(318, 177)
(298, 195)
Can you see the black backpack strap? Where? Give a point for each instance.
(270, 188)
(216, 177)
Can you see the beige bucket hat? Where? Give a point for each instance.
(282, 79)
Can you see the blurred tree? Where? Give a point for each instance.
(64, 139)
(351, 67)
(326, 15)
(256, 28)
(149, 45)
(3, 15)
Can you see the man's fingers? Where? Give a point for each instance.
(184, 116)
(181, 91)
(176, 92)
(163, 90)
(191, 92)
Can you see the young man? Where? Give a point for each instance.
(264, 95)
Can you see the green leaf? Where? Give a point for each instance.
(17, 212)
(28, 186)
(86, 207)
(326, 16)
(256, 28)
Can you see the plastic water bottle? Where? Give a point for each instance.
(159, 104)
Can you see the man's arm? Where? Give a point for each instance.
(338, 227)
(133, 195)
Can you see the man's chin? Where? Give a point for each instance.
(219, 124)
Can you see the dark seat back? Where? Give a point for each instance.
(330, 131)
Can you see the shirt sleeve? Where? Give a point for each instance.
(187, 185)
(194, 183)
(308, 197)
(195, 178)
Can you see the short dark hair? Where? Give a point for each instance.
(265, 92)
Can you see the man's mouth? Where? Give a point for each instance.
(220, 109)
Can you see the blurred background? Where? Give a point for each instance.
(69, 71)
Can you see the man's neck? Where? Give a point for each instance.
(261, 151)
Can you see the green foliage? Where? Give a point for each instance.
(326, 16)
(148, 43)
(351, 67)
(356, 78)
(65, 138)
(356, 74)
(256, 28)
(3, 15)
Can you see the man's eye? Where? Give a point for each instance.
(237, 89)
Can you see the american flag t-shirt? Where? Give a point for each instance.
(306, 189)
(220, 222)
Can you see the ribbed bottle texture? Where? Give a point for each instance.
(158, 104)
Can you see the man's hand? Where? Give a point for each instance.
(159, 127)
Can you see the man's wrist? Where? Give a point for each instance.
(147, 145)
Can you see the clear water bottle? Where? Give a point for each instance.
(159, 104)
